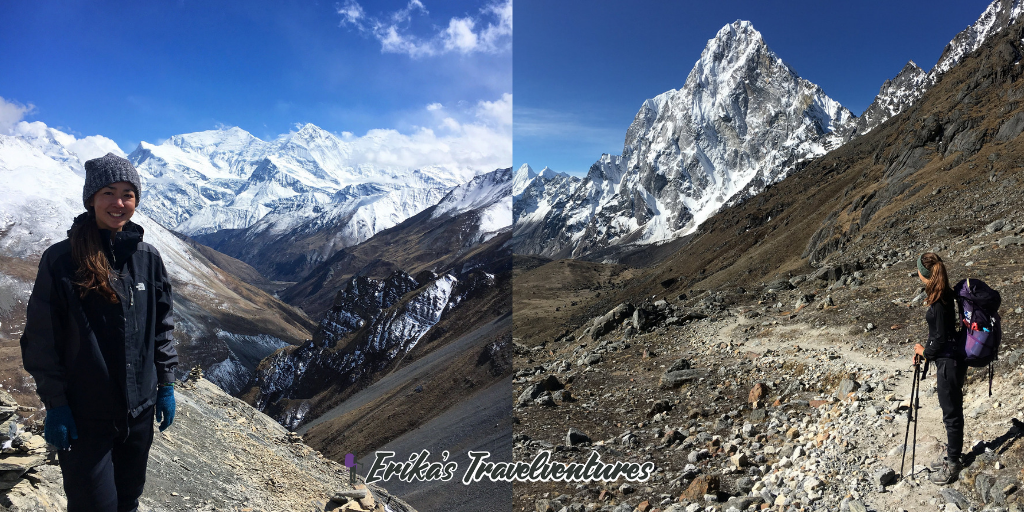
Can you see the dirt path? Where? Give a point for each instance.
(987, 418)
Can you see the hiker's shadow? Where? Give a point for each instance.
(998, 445)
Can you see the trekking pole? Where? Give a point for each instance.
(910, 418)
(916, 402)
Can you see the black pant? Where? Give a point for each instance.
(105, 470)
(951, 375)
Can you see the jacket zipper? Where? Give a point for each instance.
(131, 302)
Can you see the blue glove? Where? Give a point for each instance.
(165, 406)
(59, 426)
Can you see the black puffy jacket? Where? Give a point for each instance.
(102, 359)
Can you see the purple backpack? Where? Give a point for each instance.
(979, 312)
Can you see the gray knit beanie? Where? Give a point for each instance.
(110, 168)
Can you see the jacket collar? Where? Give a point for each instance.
(124, 243)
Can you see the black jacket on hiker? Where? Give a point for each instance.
(101, 359)
(942, 334)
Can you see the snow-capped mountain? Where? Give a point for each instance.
(895, 96)
(41, 184)
(490, 195)
(742, 120)
(900, 92)
(386, 295)
(296, 186)
(999, 15)
(475, 213)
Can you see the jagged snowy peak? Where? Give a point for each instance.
(742, 121)
(525, 175)
(894, 97)
(490, 194)
(522, 178)
(999, 15)
(900, 92)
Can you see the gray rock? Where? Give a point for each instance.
(885, 476)
(858, 506)
(953, 496)
(677, 378)
(641, 320)
(780, 285)
(847, 386)
(1010, 240)
(993, 227)
(742, 503)
(545, 400)
(530, 394)
(547, 506)
(758, 415)
(983, 485)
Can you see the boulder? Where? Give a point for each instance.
(575, 437)
(701, 486)
(847, 386)
(671, 380)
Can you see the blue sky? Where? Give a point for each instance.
(583, 68)
(141, 70)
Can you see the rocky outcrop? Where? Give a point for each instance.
(220, 454)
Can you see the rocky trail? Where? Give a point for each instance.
(746, 409)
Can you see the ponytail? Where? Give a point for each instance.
(938, 283)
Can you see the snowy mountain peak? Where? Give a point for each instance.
(736, 35)
(734, 44)
(549, 173)
(741, 122)
(999, 15)
(310, 131)
(213, 141)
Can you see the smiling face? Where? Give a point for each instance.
(114, 204)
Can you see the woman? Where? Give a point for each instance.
(948, 355)
(98, 342)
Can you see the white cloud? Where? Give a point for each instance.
(434, 106)
(460, 36)
(488, 32)
(12, 112)
(476, 139)
(86, 148)
(352, 14)
(499, 112)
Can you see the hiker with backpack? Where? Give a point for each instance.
(943, 349)
(953, 350)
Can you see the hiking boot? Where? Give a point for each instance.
(947, 473)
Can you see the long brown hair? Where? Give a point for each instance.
(87, 251)
(938, 284)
